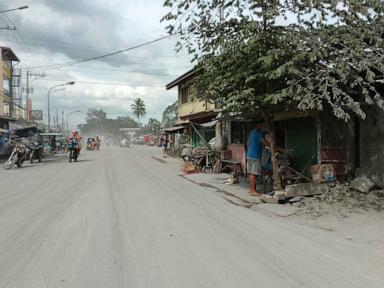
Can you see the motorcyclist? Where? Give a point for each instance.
(75, 136)
(97, 143)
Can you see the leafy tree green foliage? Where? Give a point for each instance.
(153, 126)
(98, 123)
(170, 115)
(266, 56)
(270, 55)
(138, 108)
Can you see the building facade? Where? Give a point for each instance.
(194, 111)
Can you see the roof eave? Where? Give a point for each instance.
(180, 79)
(11, 54)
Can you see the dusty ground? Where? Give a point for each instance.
(351, 215)
(124, 218)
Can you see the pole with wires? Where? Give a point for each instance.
(49, 104)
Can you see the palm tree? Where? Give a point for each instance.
(138, 108)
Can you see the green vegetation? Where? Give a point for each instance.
(98, 123)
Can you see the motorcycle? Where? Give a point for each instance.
(35, 152)
(17, 157)
(73, 148)
(125, 143)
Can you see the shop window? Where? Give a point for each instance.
(184, 94)
(6, 84)
(200, 92)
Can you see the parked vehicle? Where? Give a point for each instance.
(17, 157)
(125, 143)
(74, 149)
(35, 152)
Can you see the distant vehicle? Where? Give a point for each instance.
(138, 141)
(90, 144)
(125, 143)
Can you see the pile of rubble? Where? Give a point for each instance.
(318, 199)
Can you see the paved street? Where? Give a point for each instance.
(121, 218)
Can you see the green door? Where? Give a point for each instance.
(301, 138)
(207, 133)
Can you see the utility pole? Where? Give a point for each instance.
(26, 97)
(57, 119)
(62, 120)
(31, 76)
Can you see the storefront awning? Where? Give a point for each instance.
(209, 124)
(175, 128)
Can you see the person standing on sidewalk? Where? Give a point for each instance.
(256, 140)
(255, 147)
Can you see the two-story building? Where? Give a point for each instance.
(8, 59)
(194, 111)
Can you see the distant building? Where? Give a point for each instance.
(130, 132)
(194, 111)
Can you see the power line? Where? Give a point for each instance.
(70, 63)
(134, 60)
(108, 83)
(85, 48)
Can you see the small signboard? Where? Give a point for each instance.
(37, 115)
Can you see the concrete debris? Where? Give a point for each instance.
(343, 201)
(280, 195)
(362, 184)
(297, 204)
(269, 199)
(306, 189)
(295, 199)
(378, 180)
(379, 193)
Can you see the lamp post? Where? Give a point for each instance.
(48, 95)
(70, 113)
(14, 9)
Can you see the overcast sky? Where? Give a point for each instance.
(57, 31)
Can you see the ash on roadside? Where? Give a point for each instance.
(341, 200)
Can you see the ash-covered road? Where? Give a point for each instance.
(121, 218)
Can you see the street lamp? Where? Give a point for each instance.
(48, 95)
(70, 113)
(19, 8)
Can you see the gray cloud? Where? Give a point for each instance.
(57, 31)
